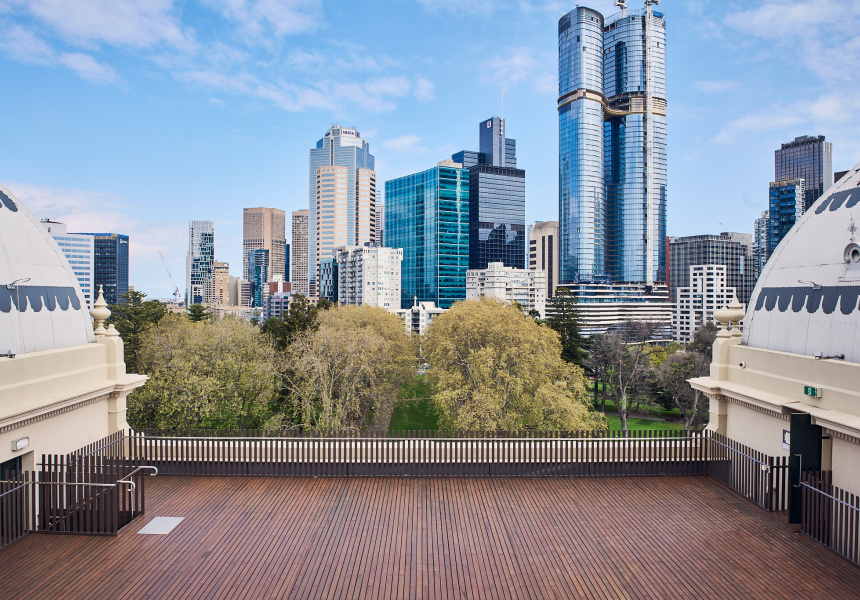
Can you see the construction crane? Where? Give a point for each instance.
(172, 282)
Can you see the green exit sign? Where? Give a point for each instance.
(812, 391)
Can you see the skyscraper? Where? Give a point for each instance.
(110, 265)
(427, 215)
(543, 252)
(497, 199)
(612, 146)
(199, 262)
(265, 228)
(786, 206)
(734, 251)
(761, 241)
(258, 274)
(299, 277)
(342, 196)
(79, 249)
(809, 158)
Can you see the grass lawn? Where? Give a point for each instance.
(634, 424)
(415, 410)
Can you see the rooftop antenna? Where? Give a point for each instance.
(622, 4)
(503, 105)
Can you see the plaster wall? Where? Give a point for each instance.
(846, 465)
(757, 430)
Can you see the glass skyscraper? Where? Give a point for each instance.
(427, 215)
(612, 146)
(199, 262)
(110, 265)
(786, 206)
(353, 223)
(809, 158)
(258, 274)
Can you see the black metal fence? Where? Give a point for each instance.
(830, 515)
(758, 477)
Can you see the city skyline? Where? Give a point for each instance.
(174, 124)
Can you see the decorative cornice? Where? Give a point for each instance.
(843, 436)
(23, 422)
(757, 407)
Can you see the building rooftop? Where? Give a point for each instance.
(666, 537)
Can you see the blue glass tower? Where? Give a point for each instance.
(786, 206)
(110, 265)
(427, 215)
(612, 146)
(258, 273)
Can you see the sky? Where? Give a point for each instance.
(136, 116)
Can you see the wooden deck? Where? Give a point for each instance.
(248, 538)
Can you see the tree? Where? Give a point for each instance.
(132, 316)
(674, 374)
(703, 340)
(198, 312)
(493, 369)
(625, 355)
(346, 373)
(221, 374)
(565, 321)
(301, 316)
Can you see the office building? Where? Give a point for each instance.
(606, 307)
(342, 202)
(221, 283)
(612, 146)
(276, 305)
(79, 249)
(380, 224)
(735, 251)
(265, 228)
(245, 291)
(761, 242)
(427, 216)
(299, 277)
(809, 158)
(110, 264)
(839, 175)
(328, 278)
(258, 271)
(497, 199)
(543, 252)
(508, 285)
(419, 316)
(369, 275)
(695, 303)
(199, 262)
(787, 201)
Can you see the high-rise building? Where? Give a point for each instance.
(839, 175)
(543, 252)
(509, 285)
(221, 283)
(369, 275)
(342, 196)
(427, 216)
(695, 303)
(327, 281)
(809, 158)
(497, 199)
(612, 146)
(265, 228)
(380, 224)
(787, 202)
(761, 242)
(110, 265)
(79, 249)
(199, 262)
(258, 273)
(734, 251)
(299, 276)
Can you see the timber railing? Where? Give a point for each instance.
(830, 515)
(758, 477)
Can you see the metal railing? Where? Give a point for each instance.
(830, 515)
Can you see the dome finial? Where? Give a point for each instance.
(100, 313)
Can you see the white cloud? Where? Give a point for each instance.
(424, 89)
(519, 66)
(460, 7)
(88, 68)
(281, 17)
(136, 23)
(407, 144)
(716, 87)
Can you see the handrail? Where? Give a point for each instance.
(814, 489)
(755, 460)
(133, 485)
(25, 484)
(389, 439)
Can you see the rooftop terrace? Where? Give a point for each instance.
(261, 537)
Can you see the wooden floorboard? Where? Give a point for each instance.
(248, 538)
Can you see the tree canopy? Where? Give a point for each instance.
(301, 316)
(132, 316)
(198, 312)
(346, 372)
(565, 321)
(220, 374)
(494, 368)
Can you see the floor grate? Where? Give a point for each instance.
(161, 525)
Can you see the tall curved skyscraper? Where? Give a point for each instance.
(612, 146)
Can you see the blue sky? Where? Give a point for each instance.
(138, 115)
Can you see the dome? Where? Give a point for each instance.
(806, 299)
(41, 304)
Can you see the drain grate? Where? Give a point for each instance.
(161, 525)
